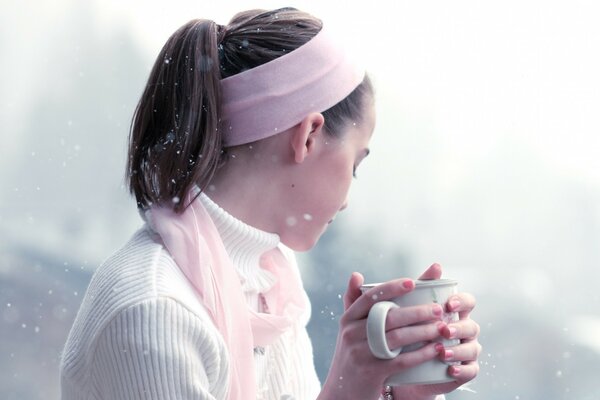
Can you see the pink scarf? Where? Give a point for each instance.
(194, 243)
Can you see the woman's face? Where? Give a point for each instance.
(318, 189)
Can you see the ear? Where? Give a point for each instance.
(304, 135)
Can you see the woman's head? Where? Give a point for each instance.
(313, 185)
(175, 139)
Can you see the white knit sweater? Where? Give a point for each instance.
(141, 332)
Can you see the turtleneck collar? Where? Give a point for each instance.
(244, 245)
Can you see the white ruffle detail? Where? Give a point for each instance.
(260, 281)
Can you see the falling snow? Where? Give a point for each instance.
(291, 221)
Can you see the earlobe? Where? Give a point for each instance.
(304, 135)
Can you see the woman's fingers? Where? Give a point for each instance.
(401, 337)
(412, 358)
(353, 292)
(464, 352)
(404, 316)
(463, 329)
(359, 309)
(433, 272)
(462, 303)
(464, 372)
(405, 325)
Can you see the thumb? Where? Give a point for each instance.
(353, 292)
(433, 272)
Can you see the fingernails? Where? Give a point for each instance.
(437, 310)
(448, 354)
(454, 304)
(451, 332)
(439, 347)
(441, 327)
(454, 370)
(409, 284)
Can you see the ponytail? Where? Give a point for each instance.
(174, 142)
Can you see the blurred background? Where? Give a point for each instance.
(485, 159)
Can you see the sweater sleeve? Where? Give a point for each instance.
(158, 349)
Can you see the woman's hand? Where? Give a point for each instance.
(355, 373)
(467, 352)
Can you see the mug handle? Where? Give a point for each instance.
(376, 330)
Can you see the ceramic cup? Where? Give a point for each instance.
(425, 292)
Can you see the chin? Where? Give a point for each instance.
(300, 244)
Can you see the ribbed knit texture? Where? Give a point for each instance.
(141, 332)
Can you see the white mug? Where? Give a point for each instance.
(425, 292)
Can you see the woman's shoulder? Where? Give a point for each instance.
(140, 271)
(140, 282)
(142, 261)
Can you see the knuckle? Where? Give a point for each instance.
(470, 299)
(469, 374)
(477, 328)
(479, 349)
(356, 353)
(343, 320)
(472, 372)
(474, 353)
(473, 300)
(348, 335)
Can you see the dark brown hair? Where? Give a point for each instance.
(174, 142)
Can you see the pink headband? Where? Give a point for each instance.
(275, 96)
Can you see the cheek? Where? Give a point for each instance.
(309, 217)
(334, 188)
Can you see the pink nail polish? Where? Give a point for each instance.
(452, 332)
(455, 371)
(437, 310)
(439, 347)
(448, 354)
(408, 284)
(441, 326)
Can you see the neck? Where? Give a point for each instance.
(244, 244)
(245, 185)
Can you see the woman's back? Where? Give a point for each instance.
(138, 302)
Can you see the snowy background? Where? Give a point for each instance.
(485, 159)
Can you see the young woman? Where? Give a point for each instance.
(243, 146)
